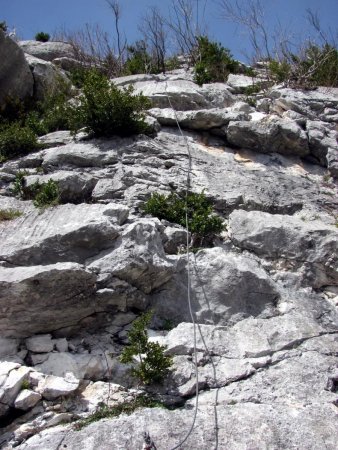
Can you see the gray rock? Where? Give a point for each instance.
(53, 387)
(312, 246)
(47, 77)
(74, 233)
(16, 80)
(79, 155)
(198, 120)
(321, 139)
(61, 344)
(239, 83)
(73, 187)
(27, 399)
(40, 344)
(269, 135)
(225, 288)
(241, 426)
(12, 377)
(61, 293)
(332, 161)
(137, 258)
(8, 347)
(311, 104)
(47, 50)
(173, 239)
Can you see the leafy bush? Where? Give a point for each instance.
(9, 214)
(107, 110)
(316, 66)
(139, 60)
(202, 223)
(214, 62)
(45, 194)
(42, 194)
(153, 365)
(42, 37)
(16, 140)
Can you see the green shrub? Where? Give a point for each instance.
(42, 37)
(107, 110)
(202, 223)
(25, 384)
(214, 62)
(16, 140)
(139, 60)
(45, 194)
(9, 214)
(153, 365)
(316, 66)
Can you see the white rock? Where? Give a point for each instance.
(26, 399)
(53, 387)
(40, 344)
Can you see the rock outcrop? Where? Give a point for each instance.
(264, 333)
(16, 80)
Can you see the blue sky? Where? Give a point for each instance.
(31, 16)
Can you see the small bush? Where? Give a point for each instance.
(107, 110)
(3, 26)
(42, 37)
(9, 214)
(153, 365)
(25, 385)
(202, 223)
(16, 140)
(316, 66)
(45, 194)
(214, 62)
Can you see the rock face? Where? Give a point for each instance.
(16, 80)
(262, 330)
(48, 51)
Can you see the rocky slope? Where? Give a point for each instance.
(74, 277)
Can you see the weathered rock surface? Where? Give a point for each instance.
(16, 80)
(47, 50)
(264, 297)
(269, 135)
(39, 299)
(312, 246)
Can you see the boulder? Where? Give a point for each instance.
(205, 119)
(183, 95)
(47, 78)
(312, 246)
(269, 135)
(40, 299)
(53, 387)
(16, 79)
(240, 83)
(27, 399)
(138, 257)
(310, 104)
(11, 378)
(321, 140)
(40, 344)
(73, 187)
(225, 288)
(63, 233)
(47, 51)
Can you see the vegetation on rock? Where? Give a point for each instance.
(16, 140)
(195, 207)
(153, 363)
(143, 401)
(42, 37)
(107, 110)
(214, 62)
(9, 214)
